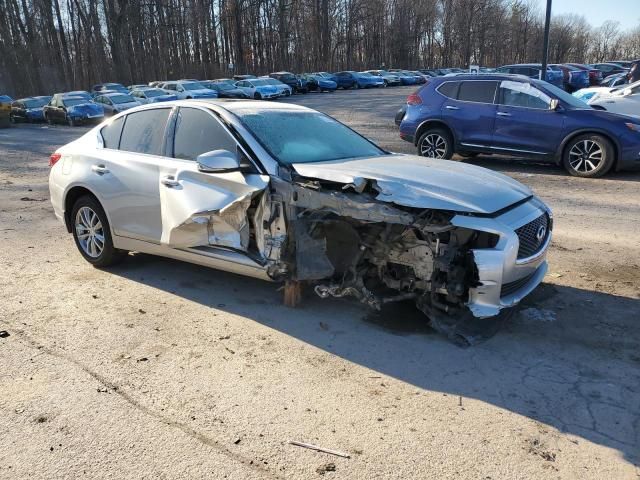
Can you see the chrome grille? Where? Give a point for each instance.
(531, 240)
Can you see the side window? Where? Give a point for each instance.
(198, 132)
(449, 89)
(477, 91)
(144, 131)
(111, 133)
(518, 94)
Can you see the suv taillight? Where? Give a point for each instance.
(414, 99)
(54, 158)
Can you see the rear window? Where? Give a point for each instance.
(144, 131)
(477, 91)
(111, 133)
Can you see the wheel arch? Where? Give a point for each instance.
(70, 198)
(585, 131)
(434, 123)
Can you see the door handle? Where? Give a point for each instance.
(504, 114)
(169, 181)
(99, 169)
(451, 107)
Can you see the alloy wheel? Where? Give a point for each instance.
(434, 146)
(89, 232)
(585, 156)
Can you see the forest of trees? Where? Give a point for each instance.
(53, 45)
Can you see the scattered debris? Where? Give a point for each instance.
(237, 441)
(324, 326)
(225, 337)
(327, 467)
(141, 311)
(29, 199)
(537, 447)
(538, 315)
(320, 449)
(4, 334)
(102, 389)
(143, 359)
(229, 350)
(554, 275)
(94, 296)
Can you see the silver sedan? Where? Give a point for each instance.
(287, 194)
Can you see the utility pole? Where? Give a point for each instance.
(545, 48)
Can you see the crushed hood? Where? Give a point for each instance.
(421, 182)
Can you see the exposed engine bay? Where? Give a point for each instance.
(347, 243)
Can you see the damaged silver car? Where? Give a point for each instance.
(287, 194)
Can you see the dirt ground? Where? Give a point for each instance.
(159, 369)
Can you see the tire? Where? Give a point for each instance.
(12, 119)
(435, 143)
(71, 122)
(386, 84)
(83, 215)
(48, 120)
(589, 155)
(257, 96)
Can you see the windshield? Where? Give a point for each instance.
(565, 97)
(294, 136)
(117, 99)
(365, 74)
(36, 103)
(192, 86)
(70, 102)
(153, 92)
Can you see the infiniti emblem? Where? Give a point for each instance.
(540, 234)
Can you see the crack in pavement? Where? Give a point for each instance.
(190, 432)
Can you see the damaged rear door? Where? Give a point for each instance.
(206, 208)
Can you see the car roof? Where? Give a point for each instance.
(483, 76)
(110, 94)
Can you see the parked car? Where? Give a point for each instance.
(78, 93)
(243, 77)
(101, 87)
(345, 80)
(609, 68)
(290, 79)
(259, 88)
(267, 191)
(615, 80)
(405, 78)
(624, 100)
(534, 70)
(390, 79)
(316, 83)
(225, 90)
(30, 109)
(152, 95)
(229, 81)
(327, 75)
(585, 94)
(418, 78)
(186, 89)
(156, 83)
(520, 117)
(72, 110)
(429, 71)
(573, 78)
(116, 102)
(623, 63)
(137, 86)
(5, 111)
(595, 75)
(284, 90)
(366, 80)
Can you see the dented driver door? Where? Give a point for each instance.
(205, 209)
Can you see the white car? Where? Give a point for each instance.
(624, 100)
(259, 88)
(186, 89)
(284, 89)
(284, 193)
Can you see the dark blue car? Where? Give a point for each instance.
(510, 114)
(532, 70)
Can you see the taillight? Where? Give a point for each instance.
(54, 158)
(414, 99)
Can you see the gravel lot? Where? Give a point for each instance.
(159, 369)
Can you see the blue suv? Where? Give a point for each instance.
(515, 115)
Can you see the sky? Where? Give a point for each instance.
(627, 12)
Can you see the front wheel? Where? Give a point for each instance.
(48, 119)
(71, 122)
(588, 155)
(435, 143)
(257, 96)
(92, 234)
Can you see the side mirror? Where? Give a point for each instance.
(554, 104)
(218, 161)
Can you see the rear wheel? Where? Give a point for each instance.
(48, 119)
(435, 143)
(92, 234)
(588, 155)
(71, 122)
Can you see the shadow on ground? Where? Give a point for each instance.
(569, 358)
